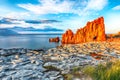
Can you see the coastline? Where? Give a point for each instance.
(59, 40)
(52, 64)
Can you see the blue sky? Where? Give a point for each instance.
(61, 14)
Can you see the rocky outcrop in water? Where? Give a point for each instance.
(56, 39)
(93, 31)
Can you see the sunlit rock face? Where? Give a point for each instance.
(93, 31)
(67, 37)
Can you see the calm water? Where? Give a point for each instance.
(28, 41)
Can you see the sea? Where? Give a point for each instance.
(29, 41)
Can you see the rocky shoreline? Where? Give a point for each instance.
(51, 64)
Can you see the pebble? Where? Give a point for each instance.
(17, 56)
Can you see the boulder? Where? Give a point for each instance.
(56, 39)
(93, 31)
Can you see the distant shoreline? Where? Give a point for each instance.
(34, 34)
(43, 34)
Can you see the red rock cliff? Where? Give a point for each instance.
(93, 31)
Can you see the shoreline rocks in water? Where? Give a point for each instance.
(26, 64)
(56, 39)
(7, 52)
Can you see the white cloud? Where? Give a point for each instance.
(25, 25)
(17, 15)
(17, 23)
(80, 7)
(22, 23)
(66, 6)
(96, 4)
(92, 6)
(116, 7)
(48, 6)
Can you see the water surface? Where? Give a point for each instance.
(40, 41)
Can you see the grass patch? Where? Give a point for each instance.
(51, 68)
(109, 71)
(74, 72)
(76, 69)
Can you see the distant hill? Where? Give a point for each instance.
(6, 32)
(47, 29)
(17, 29)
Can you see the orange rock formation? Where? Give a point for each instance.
(56, 39)
(93, 31)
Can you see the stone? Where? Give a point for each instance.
(52, 75)
(8, 78)
(17, 56)
(32, 61)
(113, 54)
(2, 74)
(2, 52)
(37, 62)
(93, 31)
(56, 39)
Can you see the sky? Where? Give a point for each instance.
(59, 14)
